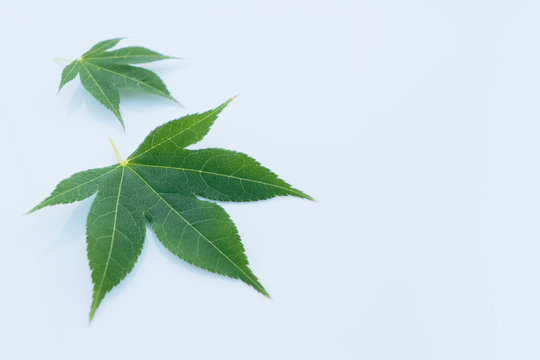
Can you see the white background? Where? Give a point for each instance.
(415, 124)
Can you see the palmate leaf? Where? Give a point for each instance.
(160, 183)
(103, 73)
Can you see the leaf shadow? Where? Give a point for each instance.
(141, 102)
(74, 228)
(167, 66)
(132, 100)
(129, 100)
(96, 110)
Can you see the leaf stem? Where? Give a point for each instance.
(62, 59)
(118, 157)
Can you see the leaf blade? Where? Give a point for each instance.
(102, 46)
(115, 236)
(178, 133)
(77, 187)
(100, 71)
(216, 174)
(69, 73)
(131, 77)
(95, 83)
(130, 55)
(200, 243)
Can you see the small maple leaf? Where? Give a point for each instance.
(103, 73)
(160, 184)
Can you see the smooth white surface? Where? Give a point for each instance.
(415, 124)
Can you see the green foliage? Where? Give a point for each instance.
(160, 183)
(103, 73)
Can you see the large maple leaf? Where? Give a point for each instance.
(160, 184)
(103, 73)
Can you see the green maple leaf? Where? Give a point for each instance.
(160, 183)
(103, 73)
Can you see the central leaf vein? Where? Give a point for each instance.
(112, 235)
